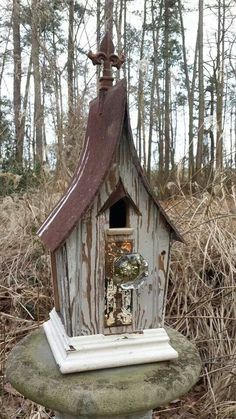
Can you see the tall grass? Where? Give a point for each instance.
(201, 297)
(25, 287)
(202, 294)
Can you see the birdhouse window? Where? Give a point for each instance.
(118, 217)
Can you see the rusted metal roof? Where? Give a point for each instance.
(116, 195)
(107, 116)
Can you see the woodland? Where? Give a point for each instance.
(180, 68)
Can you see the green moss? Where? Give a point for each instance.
(31, 369)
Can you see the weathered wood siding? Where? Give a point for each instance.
(63, 287)
(151, 239)
(81, 260)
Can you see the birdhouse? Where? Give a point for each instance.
(110, 245)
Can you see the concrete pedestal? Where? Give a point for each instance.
(125, 392)
(147, 415)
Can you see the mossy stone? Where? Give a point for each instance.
(31, 370)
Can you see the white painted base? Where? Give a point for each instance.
(92, 352)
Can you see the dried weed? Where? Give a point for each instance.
(25, 288)
(201, 297)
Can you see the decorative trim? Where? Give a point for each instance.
(119, 193)
(119, 231)
(92, 352)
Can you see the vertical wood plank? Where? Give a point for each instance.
(146, 234)
(164, 250)
(55, 282)
(73, 248)
(63, 288)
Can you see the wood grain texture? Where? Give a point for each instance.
(63, 288)
(55, 282)
(147, 240)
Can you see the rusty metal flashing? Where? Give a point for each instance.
(118, 194)
(103, 135)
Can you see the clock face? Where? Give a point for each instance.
(130, 271)
(124, 272)
(118, 302)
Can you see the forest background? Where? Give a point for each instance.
(181, 78)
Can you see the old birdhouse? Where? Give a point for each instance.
(110, 240)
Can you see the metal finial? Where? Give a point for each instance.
(109, 59)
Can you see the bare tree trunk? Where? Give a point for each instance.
(190, 90)
(70, 84)
(173, 129)
(4, 56)
(191, 109)
(211, 133)
(201, 93)
(19, 138)
(98, 69)
(220, 84)
(140, 91)
(38, 108)
(160, 125)
(143, 133)
(109, 16)
(59, 123)
(43, 78)
(160, 134)
(125, 43)
(167, 88)
(155, 38)
(234, 107)
(118, 24)
(231, 138)
(26, 96)
(149, 156)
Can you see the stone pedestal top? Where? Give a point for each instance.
(31, 370)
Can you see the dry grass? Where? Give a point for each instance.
(201, 300)
(202, 296)
(25, 289)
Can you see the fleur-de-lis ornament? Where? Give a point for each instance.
(106, 57)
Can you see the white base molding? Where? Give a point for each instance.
(93, 352)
